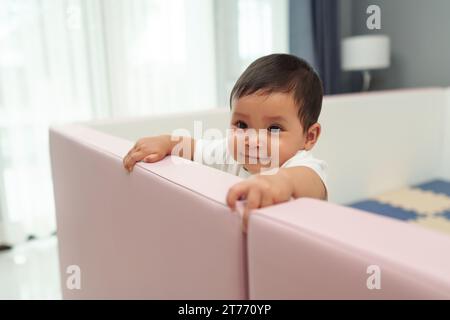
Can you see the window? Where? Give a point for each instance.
(75, 60)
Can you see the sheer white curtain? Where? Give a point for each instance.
(44, 78)
(73, 60)
(161, 55)
(245, 31)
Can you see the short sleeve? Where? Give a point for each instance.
(214, 153)
(210, 152)
(306, 159)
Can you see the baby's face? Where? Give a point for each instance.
(276, 115)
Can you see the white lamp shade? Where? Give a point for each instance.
(366, 52)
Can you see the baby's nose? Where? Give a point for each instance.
(251, 139)
(255, 139)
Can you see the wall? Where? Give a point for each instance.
(350, 81)
(419, 32)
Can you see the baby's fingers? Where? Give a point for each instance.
(253, 202)
(132, 159)
(127, 156)
(154, 157)
(235, 193)
(266, 200)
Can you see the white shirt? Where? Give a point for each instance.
(214, 153)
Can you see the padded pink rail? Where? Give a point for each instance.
(308, 249)
(164, 232)
(141, 235)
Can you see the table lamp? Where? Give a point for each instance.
(365, 53)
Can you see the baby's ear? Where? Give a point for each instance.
(312, 135)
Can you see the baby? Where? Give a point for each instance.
(276, 101)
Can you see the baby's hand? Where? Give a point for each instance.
(260, 191)
(151, 149)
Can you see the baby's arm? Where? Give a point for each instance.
(153, 149)
(306, 183)
(265, 190)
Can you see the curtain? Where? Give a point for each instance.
(245, 31)
(43, 79)
(160, 55)
(326, 43)
(301, 40)
(78, 60)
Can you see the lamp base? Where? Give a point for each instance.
(367, 78)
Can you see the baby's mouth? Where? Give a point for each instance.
(252, 156)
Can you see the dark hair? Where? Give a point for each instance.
(284, 73)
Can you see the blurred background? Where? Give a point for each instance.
(78, 60)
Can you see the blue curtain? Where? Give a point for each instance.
(326, 39)
(314, 36)
(301, 42)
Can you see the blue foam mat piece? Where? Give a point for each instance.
(445, 215)
(385, 210)
(436, 186)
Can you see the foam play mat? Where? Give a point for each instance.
(426, 204)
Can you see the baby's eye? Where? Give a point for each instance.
(274, 129)
(241, 125)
